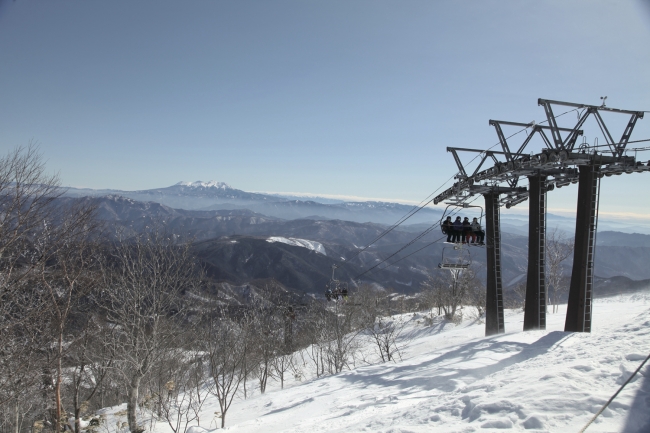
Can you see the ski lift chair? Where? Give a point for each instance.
(447, 213)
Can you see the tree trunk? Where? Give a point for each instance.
(264, 374)
(17, 413)
(245, 392)
(132, 404)
(57, 387)
(77, 410)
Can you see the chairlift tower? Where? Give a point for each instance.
(559, 164)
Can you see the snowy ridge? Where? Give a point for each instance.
(453, 379)
(311, 245)
(210, 184)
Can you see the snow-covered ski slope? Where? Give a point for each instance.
(453, 379)
(310, 245)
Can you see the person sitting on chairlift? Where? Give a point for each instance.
(458, 230)
(344, 292)
(467, 230)
(328, 294)
(448, 228)
(477, 232)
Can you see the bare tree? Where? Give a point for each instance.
(225, 349)
(317, 337)
(476, 297)
(265, 339)
(284, 360)
(450, 292)
(181, 391)
(443, 291)
(282, 364)
(386, 331)
(269, 329)
(389, 337)
(89, 367)
(341, 333)
(371, 303)
(71, 275)
(519, 300)
(145, 278)
(558, 249)
(45, 255)
(27, 194)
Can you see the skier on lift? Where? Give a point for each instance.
(467, 230)
(448, 228)
(458, 231)
(477, 232)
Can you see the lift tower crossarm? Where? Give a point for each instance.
(542, 101)
(628, 132)
(529, 125)
(535, 127)
(568, 143)
(502, 140)
(487, 153)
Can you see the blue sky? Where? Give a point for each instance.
(346, 98)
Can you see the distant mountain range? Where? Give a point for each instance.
(238, 246)
(242, 236)
(220, 196)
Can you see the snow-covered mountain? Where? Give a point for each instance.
(201, 184)
(453, 379)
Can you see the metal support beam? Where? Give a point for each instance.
(494, 292)
(579, 308)
(536, 296)
(569, 142)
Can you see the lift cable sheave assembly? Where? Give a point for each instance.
(555, 160)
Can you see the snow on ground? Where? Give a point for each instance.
(453, 379)
(312, 245)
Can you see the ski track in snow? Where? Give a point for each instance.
(453, 379)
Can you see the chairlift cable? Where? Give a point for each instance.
(615, 395)
(638, 141)
(408, 215)
(417, 238)
(608, 145)
(424, 247)
(421, 206)
(414, 252)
